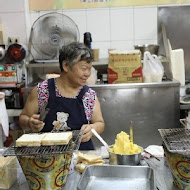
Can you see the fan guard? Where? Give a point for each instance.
(50, 32)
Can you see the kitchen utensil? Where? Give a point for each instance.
(152, 48)
(124, 159)
(167, 46)
(131, 132)
(44, 112)
(168, 49)
(117, 178)
(72, 146)
(100, 138)
(57, 159)
(177, 140)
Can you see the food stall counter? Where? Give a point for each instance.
(162, 172)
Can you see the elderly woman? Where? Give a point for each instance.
(72, 103)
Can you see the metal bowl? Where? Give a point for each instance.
(124, 159)
(152, 48)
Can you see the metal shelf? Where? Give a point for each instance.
(185, 106)
(51, 64)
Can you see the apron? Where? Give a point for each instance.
(73, 106)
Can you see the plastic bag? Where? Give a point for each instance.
(93, 77)
(153, 69)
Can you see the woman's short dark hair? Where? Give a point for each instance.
(73, 53)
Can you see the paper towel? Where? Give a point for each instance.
(155, 150)
(4, 120)
(177, 65)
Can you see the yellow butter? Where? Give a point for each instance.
(123, 145)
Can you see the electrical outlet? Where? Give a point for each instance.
(13, 40)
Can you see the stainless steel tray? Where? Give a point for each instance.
(117, 177)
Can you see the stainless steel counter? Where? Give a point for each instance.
(166, 83)
(163, 177)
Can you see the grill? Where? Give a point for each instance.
(72, 146)
(176, 140)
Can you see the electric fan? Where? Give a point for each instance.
(49, 33)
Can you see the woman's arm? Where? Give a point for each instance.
(97, 122)
(29, 118)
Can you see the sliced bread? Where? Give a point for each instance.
(33, 139)
(61, 138)
(88, 157)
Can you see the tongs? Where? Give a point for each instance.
(44, 112)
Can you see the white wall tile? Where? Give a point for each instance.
(98, 24)
(11, 6)
(122, 45)
(145, 21)
(146, 41)
(14, 29)
(103, 48)
(121, 21)
(79, 18)
(33, 17)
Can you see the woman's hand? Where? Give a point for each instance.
(87, 132)
(2, 95)
(35, 124)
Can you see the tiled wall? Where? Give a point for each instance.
(114, 27)
(120, 27)
(12, 19)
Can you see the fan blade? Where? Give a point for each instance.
(51, 32)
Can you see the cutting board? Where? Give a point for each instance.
(178, 65)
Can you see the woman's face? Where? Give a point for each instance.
(80, 72)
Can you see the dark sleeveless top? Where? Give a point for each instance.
(73, 106)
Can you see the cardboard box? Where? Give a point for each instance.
(8, 171)
(125, 67)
